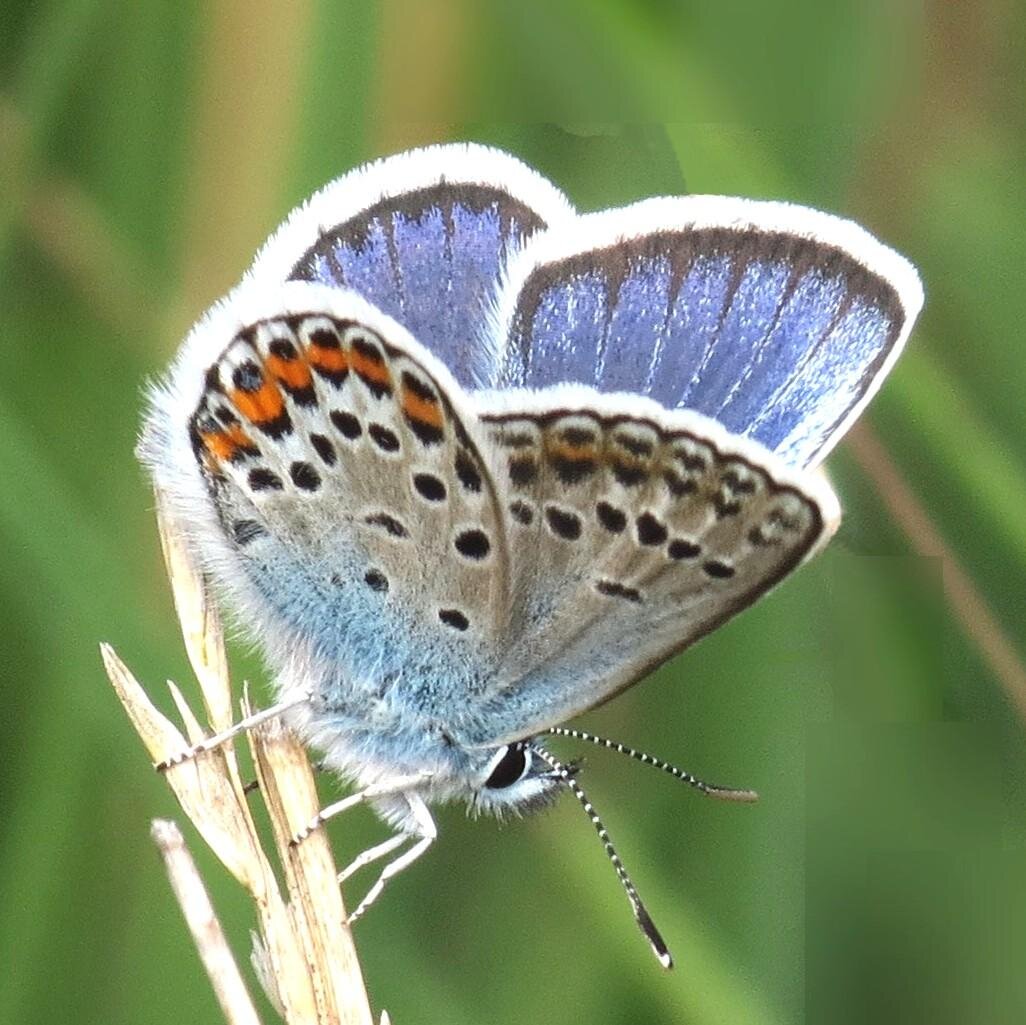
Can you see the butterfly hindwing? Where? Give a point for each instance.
(777, 321)
(633, 532)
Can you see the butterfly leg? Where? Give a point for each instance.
(372, 854)
(398, 785)
(242, 726)
(422, 826)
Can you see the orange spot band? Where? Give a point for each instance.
(574, 453)
(332, 361)
(426, 411)
(293, 373)
(261, 406)
(370, 368)
(223, 445)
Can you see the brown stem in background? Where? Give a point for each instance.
(967, 603)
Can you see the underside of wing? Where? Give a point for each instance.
(777, 321)
(354, 513)
(425, 236)
(632, 532)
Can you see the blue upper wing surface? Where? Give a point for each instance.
(776, 321)
(425, 237)
(431, 259)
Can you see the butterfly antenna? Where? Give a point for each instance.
(641, 915)
(710, 789)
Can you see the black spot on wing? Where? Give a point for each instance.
(651, 531)
(428, 434)
(247, 377)
(523, 470)
(718, 570)
(467, 472)
(636, 446)
(454, 618)
(429, 486)
(387, 523)
(324, 448)
(346, 424)
(617, 590)
(563, 523)
(572, 470)
(262, 479)
(473, 544)
(630, 475)
(304, 476)
(385, 439)
(613, 519)
(677, 485)
(682, 548)
(521, 512)
(376, 580)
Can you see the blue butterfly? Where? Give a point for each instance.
(466, 463)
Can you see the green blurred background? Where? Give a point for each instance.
(877, 701)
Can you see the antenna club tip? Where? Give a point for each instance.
(739, 796)
(656, 941)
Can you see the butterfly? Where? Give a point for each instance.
(465, 462)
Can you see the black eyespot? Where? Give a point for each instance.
(522, 512)
(346, 424)
(387, 523)
(262, 479)
(618, 590)
(650, 530)
(247, 377)
(454, 618)
(376, 580)
(324, 449)
(522, 470)
(509, 769)
(283, 348)
(385, 439)
(304, 476)
(466, 471)
(682, 548)
(473, 544)
(611, 518)
(429, 486)
(563, 522)
(718, 570)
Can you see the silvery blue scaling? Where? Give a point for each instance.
(466, 463)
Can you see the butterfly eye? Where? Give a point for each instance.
(510, 765)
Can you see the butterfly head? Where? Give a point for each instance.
(515, 779)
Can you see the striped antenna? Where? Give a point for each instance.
(710, 789)
(641, 915)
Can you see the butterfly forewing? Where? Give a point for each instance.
(354, 499)
(630, 538)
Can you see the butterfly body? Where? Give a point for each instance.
(466, 463)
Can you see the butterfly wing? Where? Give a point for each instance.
(318, 458)
(633, 532)
(424, 236)
(777, 321)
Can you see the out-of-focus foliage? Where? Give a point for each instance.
(875, 700)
